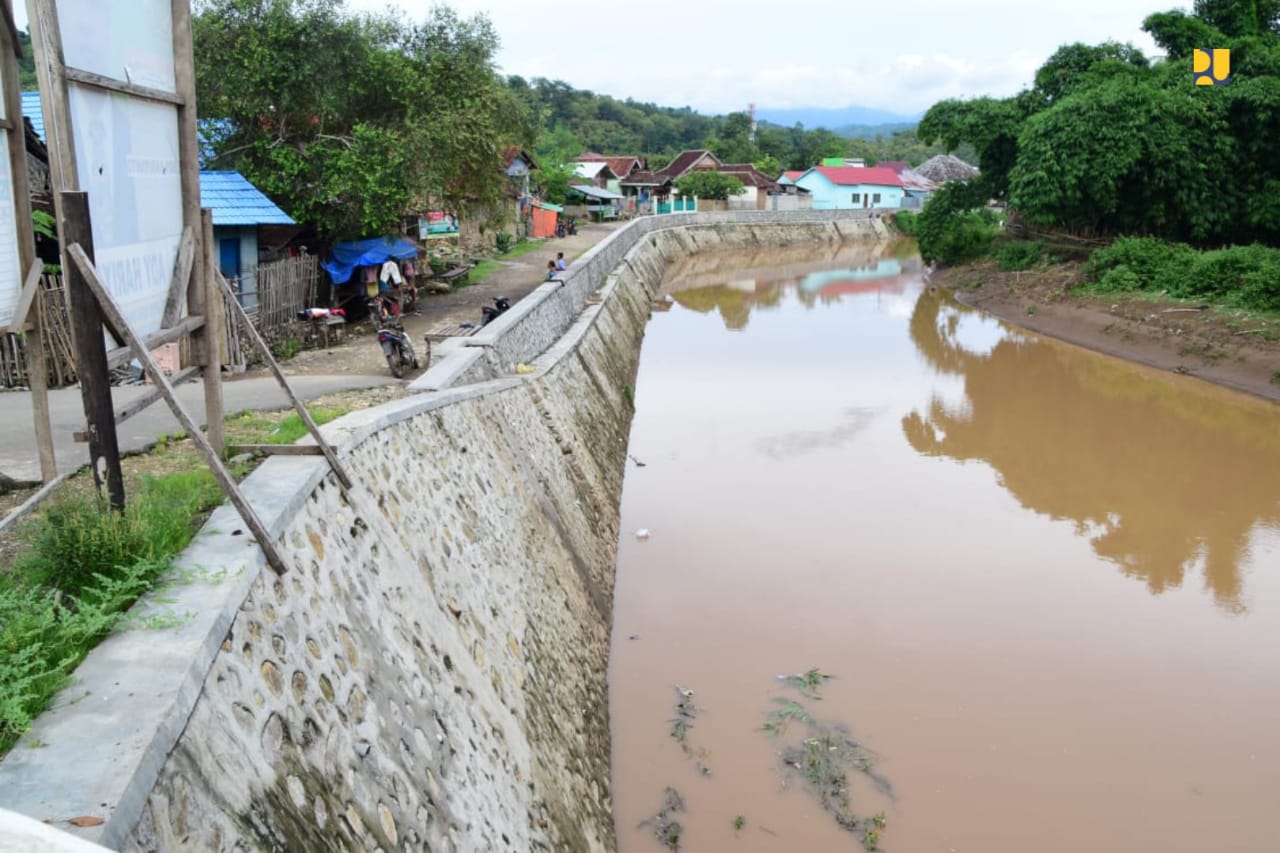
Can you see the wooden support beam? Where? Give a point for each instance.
(204, 298)
(84, 267)
(275, 449)
(91, 351)
(183, 327)
(298, 406)
(27, 297)
(173, 305)
(110, 84)
(37, 370)
(133, 407)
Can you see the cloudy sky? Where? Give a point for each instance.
(718, 55)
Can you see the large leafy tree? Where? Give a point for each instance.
(351, 121)
(1110, 143)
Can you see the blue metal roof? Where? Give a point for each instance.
(31, 109)
(235, 201)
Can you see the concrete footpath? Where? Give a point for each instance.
(18, 458)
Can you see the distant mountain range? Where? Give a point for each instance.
(848, 121)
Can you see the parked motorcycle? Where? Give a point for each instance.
(489, 313)
(394, 340)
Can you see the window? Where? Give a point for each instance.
(855, 198)
(875, 199)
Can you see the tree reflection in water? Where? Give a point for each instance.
(1160, 474)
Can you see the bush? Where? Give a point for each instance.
(1019, 256)
(955, 225)
(75, 540)
(907, 221)
(503, 241)
(85, 566)
(1242, 276)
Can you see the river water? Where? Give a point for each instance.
(1045, 583)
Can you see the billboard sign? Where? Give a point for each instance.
(126, 146)
(438, 224)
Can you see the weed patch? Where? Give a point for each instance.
(682, 724)
(84, 566)
(665, 827)
(821, 754)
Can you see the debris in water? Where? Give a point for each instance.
(642, 534)
(666, 829)
(639, 464)
(807, 682)
(686, 713)
(822, 756)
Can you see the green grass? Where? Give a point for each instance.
(83, 567)
(275, 427)
(481, 271)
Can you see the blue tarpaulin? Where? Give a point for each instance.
(366, 253)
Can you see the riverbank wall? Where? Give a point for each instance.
(430, 670)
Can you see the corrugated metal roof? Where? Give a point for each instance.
(847, 176)
(235, 201)
(594, 192)
(31, 109)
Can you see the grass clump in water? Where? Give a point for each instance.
(686, 713)
(83, 566)
(666, 828)
(823, 756)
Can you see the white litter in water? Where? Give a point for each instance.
(642, 533)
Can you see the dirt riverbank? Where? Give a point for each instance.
(1232, 348)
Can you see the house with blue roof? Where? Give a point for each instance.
(239, 208)
(239, 211)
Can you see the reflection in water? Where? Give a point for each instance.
(846, 271)
(791, 444)
(1160, 480)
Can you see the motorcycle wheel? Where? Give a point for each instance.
(394, 359)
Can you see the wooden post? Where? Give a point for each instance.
(84, 266)
(91, 349)
(37, 370)
(298, 405)
(46, 40)
(205, 299)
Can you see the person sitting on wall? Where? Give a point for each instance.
(560, 264)
(551, 270)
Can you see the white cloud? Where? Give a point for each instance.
(717, 55)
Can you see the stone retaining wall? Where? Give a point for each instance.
(430, 672)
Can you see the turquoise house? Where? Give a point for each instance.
(852, 187)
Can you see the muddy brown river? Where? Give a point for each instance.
(1045, 583)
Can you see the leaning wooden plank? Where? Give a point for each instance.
(110, 84)
(220, 472)
(132, 408)
(298, 405)
(27, 297)
(181, 275)
(185, 326)
(275, 449)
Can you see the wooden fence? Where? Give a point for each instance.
(51, 302)
(272, 300)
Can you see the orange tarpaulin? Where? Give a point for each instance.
(544, 222)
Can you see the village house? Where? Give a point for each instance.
(240, 213)
(596, 173)
(916, 187)
(621, 167)
(756, 185)
(852, 187)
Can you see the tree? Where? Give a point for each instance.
(710, 185)
(352, 121)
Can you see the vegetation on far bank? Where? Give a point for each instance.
(1159, 185)
(71, 571)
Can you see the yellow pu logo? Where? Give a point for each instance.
(1211, 67)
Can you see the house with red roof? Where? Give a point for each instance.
(853, 187)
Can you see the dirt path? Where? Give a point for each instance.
(1227, 347)
(359, 352)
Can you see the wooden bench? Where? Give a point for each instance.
(443, 333)
(321, 326)
(455, 273)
